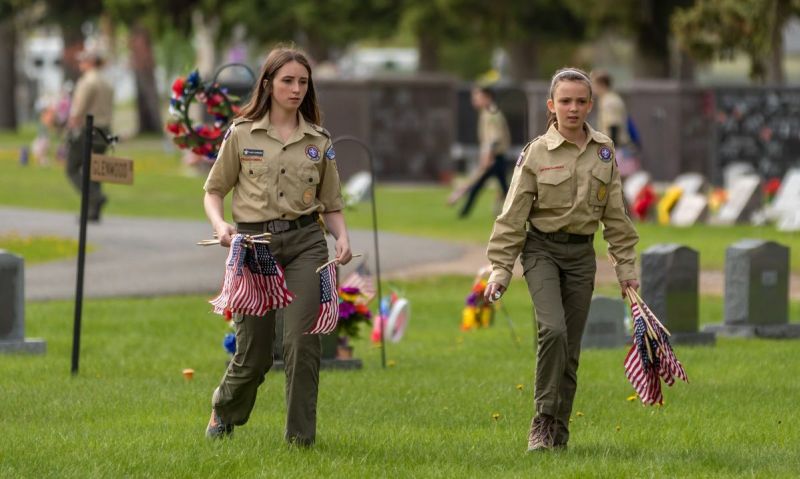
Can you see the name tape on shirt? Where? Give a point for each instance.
(251, 154)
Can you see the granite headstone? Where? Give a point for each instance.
(12, 311)
(605, 326)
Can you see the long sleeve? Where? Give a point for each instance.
(619, 232)
(508, 235)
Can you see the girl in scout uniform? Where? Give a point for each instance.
(565, 183)
(281, 167)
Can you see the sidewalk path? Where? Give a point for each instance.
(148, 257)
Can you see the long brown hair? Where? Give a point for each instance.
(261, 100)
(566, 74)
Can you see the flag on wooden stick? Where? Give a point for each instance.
(328, 315)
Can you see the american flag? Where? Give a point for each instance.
(651, 357)
(328, 302)
(254, 281)
(361, 278)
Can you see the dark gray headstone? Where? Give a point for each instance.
(670, 287)
(605, 326)
(12, 308)
(757, 291)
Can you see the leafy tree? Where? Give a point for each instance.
(720, 28)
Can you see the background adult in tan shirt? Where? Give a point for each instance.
(93, 95)
(565, 183)
(494, 140)
(281, 167)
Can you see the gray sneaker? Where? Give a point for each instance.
(216, 428)
(541, 435)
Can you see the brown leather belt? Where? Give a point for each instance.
(562, 236)
(280, 226)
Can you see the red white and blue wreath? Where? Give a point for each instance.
(201, 138)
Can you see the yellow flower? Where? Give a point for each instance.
(618, 427)
(579, 414)
(520, 387)
(631, 398)
(391, 363)
(496, 416)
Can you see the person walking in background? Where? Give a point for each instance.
(94, 96)
(613, 120)
(565, 183)
(281, 167)
(494, 140)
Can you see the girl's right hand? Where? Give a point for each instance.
(493, 292)
(224, 233)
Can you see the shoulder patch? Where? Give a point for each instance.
(521, 156)
(321, 130)
(330, 153)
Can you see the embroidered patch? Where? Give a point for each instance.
(604, 153)
(601, 192)
(250, 154)
(548, 168)
(308, 196)
(330, 153)
(228, 133)
(312, 152)
(521, 158)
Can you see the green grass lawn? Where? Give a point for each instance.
(130, 413)
(162, 188)
(40, 249)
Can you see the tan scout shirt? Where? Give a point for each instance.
(93, 96)
(272, 180)
(558, 187)
(493, 134)
(612, 112)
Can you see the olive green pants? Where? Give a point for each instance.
(560, 280)
(300, 252)
(74, 167)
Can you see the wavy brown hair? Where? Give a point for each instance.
(261, 100)
(566, 74)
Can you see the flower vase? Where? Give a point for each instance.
(343, 348)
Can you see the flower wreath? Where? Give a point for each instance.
(202, 139)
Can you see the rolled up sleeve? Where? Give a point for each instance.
(330, 191)
(224, 173)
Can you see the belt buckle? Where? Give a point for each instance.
(278, 226)
(561, 237)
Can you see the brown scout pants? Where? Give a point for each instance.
(560, 280)
(300, 252)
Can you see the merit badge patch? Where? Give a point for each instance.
(312, 152)
(604, 153)
(330, 153)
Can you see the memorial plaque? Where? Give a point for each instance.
(670, 287)
(744, 199)
(109, 169)
(12, 311)
(691, 208)
(605, 326)
(757, 291)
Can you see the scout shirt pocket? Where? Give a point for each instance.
(554, 188)
(307, 181)
(601, 177)
(253, 179)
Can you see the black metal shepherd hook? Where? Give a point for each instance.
(370, 157)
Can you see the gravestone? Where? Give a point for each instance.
(785, 208)
(744, 199)
(633, 184)
(732, 172)
(757, 291)
(670, 287)
(605, 326)
(690, 182)
(12, 308)
(691, 208)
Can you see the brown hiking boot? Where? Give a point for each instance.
(541, 436)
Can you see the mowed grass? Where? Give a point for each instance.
(165, 188)
(39, 249)
(130, 413)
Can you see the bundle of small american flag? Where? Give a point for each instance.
(651, 357)
(254, 282)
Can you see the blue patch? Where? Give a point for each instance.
(604, 153)
(330, 153)
(312, 152)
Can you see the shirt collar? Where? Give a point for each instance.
(303, 127)
(554, 139)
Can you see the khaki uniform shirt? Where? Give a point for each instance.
(558, 186)
(272, 180)
(93, 96)
(612, 112)
(493, 134)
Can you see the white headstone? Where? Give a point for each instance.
(358, 187)
(691, 208)
(734, 171)
(787, 199)
(634, 184)
(744, 198)
(690, 182)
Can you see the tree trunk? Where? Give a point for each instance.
(73, 45)
(775, 73)
(8, 72)
(523, 59)
(428, 47)
(143, 66)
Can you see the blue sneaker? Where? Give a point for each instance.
(216, 428)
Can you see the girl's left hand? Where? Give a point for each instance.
(629, 283)
(343, 253)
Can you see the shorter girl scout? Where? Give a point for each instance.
(281, 167)
(565, 182)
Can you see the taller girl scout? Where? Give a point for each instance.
(564, 184)
(281, 167)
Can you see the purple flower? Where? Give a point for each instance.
(350, 290)
(472, 299)
(346, 310)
